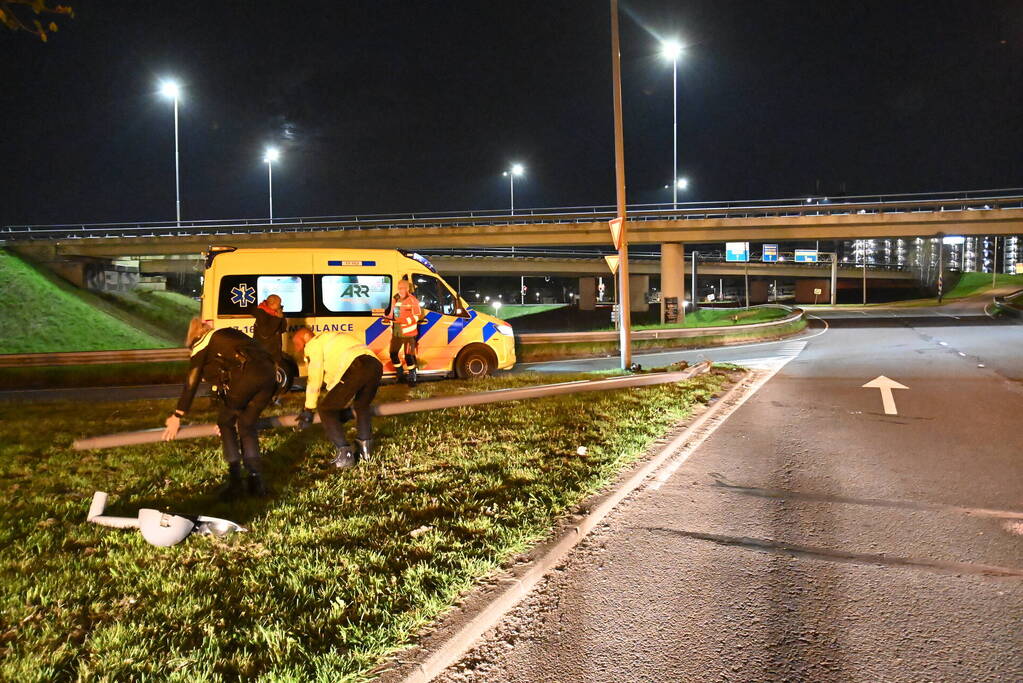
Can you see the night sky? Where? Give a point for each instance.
(382, 106)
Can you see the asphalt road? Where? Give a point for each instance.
(812, 536)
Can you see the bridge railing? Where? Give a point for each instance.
(791, 207)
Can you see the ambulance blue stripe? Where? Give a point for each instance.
(431, 320)
(375, 330)
(489, 330)
(352, 263)
(459, 325)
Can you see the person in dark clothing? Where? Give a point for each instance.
(270, 325)
(351, 373)
(243, 375)
(268, 331)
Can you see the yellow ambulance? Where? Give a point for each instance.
(348, 290)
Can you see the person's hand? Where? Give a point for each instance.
(304, 419)
(173, 424)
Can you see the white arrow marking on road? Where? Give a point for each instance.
(887, 398)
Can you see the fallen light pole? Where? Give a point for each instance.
(415, 406)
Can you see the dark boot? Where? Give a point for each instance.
(363, 449)
(343, 458)
(400, 378)
(232, 487)
(255, 486)
(412, 377)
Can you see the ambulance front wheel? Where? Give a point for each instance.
(475, 362)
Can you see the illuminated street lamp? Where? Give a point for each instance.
(672, 49)
(515, 170)
(172, 90)
(272, 154)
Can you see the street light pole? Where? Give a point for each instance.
(624, 334)
(172, 90)
(671, 50)
(272, 155)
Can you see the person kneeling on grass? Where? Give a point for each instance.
(351, 373)
(243, 373)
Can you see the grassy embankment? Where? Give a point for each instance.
(337, 571)
(43, 313)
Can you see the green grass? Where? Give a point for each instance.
(971, 284)
(329, 580)
(43, 314)
(532, 353)
(509, 311)
(168, 312)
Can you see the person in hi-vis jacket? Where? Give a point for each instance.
(404, 313)
(351, 374)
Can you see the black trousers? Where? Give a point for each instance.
(249, 390)
(353, 394)
(406, 344)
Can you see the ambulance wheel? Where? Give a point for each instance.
(475, 362)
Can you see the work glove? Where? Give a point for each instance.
(304, 419)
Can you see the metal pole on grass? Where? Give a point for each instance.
(624, 313)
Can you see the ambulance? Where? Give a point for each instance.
(348, 290)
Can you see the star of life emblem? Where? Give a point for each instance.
(243, 295)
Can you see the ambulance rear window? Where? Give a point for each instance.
(238, 293)
(353, 294)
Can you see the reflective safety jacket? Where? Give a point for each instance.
(328, 355)
(406, 314)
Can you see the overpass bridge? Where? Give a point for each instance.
(995, 212)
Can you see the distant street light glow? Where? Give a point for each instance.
(272, 154)
(682, 183)
(170, 89)
(671, 49)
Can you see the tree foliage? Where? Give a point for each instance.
(30, 15)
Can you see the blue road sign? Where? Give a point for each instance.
(806, 256)
(737, 251)
(770, 253)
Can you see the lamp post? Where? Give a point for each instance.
(172, 90)
(272, 154)
(672, 49)
(515, 170)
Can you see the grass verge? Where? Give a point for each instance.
(331, 577)
(531, 353)
(110, 375)
(168, 312)
(718, 317)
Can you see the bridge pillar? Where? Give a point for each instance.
(587, 293)
(673, 275)
(639, 285)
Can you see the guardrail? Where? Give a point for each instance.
(814, 206)
(1013, 308)
(17, 360)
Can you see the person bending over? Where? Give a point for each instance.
(243, 375)
(351, 373)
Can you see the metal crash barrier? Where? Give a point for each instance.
(416, 406)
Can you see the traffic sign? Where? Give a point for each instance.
(616, 231)
(806, 256)
(612, 262)
(770, 253)
(737, 251)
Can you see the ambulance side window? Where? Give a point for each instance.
(238, 293)
(433, 295)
